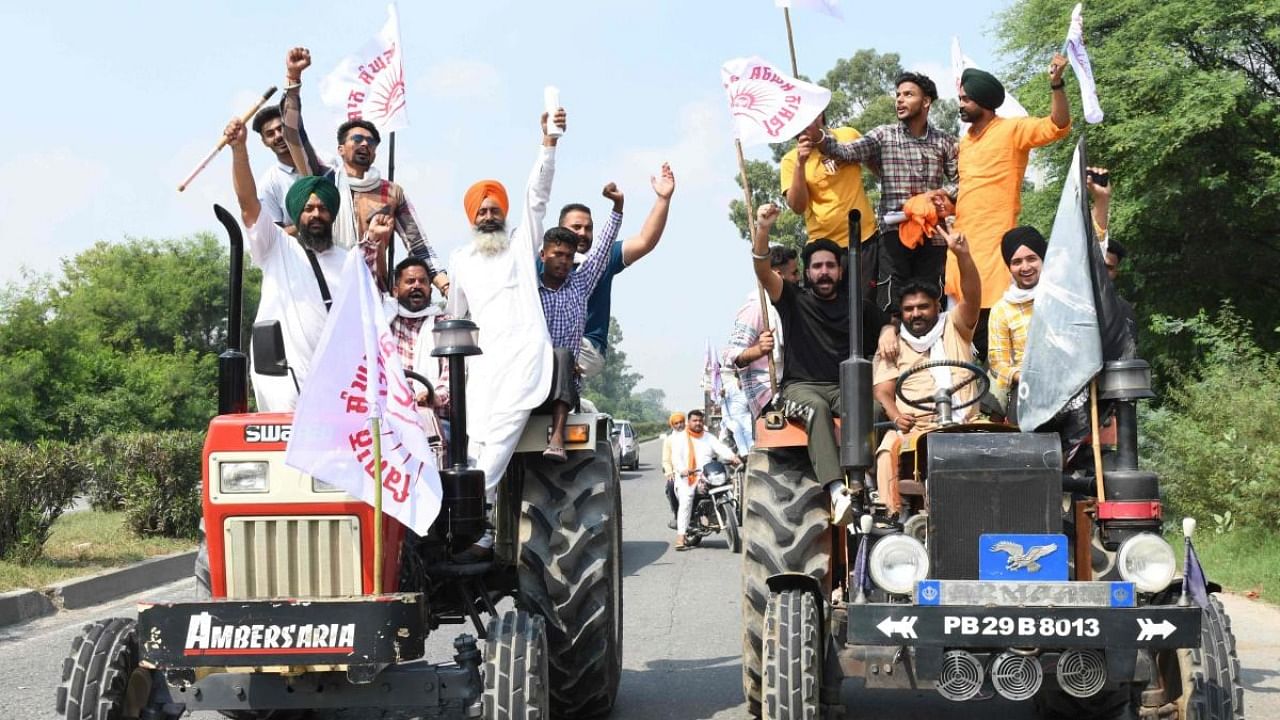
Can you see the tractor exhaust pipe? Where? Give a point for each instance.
(233, 364)
(857, 424)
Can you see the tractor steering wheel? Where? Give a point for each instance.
(928, 404)
(425, 383)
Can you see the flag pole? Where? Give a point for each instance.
(376, 423)
(1097, 444)
(391, 177)
(791, 42)
(751, 233)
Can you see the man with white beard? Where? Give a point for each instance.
(495, 282)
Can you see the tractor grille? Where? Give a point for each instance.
(988, 483)
(292, 556)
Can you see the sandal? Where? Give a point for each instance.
(681, 548)
(555, 453)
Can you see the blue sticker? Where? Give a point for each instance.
(1122, 595)
(1004, 556)
(929, 592)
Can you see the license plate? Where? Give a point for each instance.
(1022, 593)
(1005, 556)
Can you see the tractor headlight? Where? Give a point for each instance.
(243, 477)
(897, 563)
(1147, 561)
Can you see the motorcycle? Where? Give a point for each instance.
(715, 507)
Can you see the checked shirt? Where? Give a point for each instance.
(566, 307)
(906, 165)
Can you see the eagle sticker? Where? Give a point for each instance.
(1022, 557)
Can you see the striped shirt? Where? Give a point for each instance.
(906, 165)
(1007, 338)
(565, 307)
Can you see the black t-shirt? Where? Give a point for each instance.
(815, 334)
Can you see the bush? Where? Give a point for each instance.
(37, 481)
(159, 480)
(101, 457)
(649, 430)
(1216, 438)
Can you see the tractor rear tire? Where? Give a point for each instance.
(101, 679)
(792, 657)
(515, 668)
(570, 573)
(1211, 686)
(786, 528)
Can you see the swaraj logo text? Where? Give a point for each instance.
(206, 638)
(267, 433)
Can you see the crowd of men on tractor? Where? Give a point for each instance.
(947, 275)
(540, 296)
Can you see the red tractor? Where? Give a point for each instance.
(1011, 569)
(289, 617)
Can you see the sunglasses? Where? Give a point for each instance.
(358, 139)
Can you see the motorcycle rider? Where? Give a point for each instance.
(676, 422)
(690, 450)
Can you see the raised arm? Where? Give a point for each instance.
(970, 305)
(771, 281)
(664, 186)
(592, 269)
(857, 150)
(241, 174)
(1061, 110)
(295, 135)
(538, 191)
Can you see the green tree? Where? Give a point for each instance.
(862, 97)
(1192, 139)
(613, 390)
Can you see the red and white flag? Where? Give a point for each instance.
(826, 7)
(356, 375)
(369, 85)
(768, 106)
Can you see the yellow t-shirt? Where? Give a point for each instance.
(991, 166)
(834, 190)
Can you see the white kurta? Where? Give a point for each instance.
(291, 295)
(512, 375)
(705, 449)
(273, 186)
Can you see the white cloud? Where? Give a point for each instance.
(461, 79)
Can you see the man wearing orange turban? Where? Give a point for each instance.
(495, 282)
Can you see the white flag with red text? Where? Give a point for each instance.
(826, 7)
(356, 375)
(768, 106)
(369, 85)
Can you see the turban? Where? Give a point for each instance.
(481, 190)
(923, 218)
(982, 87)
(676, 417)
(1019, 236)
(302, 190)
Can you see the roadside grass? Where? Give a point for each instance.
(1245, 561)
(84, 543)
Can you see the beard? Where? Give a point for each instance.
(488, 241)
(414, 300)
(922, 325)
(970, 117)
(317, 237)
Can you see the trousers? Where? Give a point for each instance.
(820, 405)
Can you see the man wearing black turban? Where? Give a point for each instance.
(1023, 249)
(992, 161)
(299, 277)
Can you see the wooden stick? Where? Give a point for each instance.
(1097, 444)
(791, 43)
(377, 504)
(223, 142)
(751, 234)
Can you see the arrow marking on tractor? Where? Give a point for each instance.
(1149, 629)
(904, 627)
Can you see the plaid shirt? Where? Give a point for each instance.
(1007, 338)
(565, 307)
(406, 331)
(906, 165)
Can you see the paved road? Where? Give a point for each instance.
(682, 642)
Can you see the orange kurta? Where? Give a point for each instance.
(992, 165)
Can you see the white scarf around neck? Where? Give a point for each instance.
(345, 229)
(428, 311)
(1017, 295)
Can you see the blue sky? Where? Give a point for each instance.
(117, 101)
